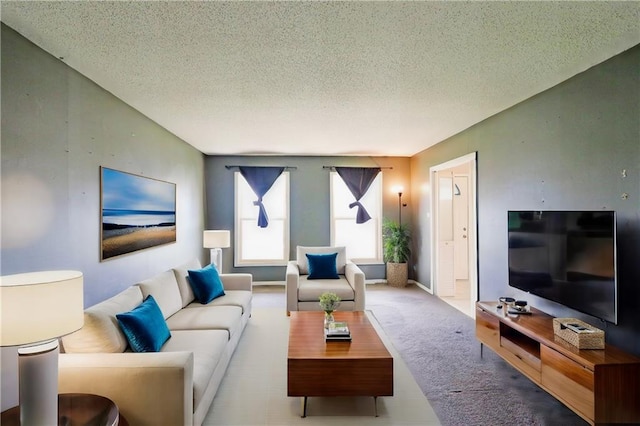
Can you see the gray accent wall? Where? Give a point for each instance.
(563, 149)
(58, 128)
(309, 201)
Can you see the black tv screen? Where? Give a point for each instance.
(568, 257)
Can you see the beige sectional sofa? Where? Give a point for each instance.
(176, 385)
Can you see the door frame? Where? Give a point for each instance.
(473, 223)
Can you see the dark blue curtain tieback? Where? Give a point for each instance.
(260, 179)
(358, 180)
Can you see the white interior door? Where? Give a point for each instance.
(461, 227)
(446, 245)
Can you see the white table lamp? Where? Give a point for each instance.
(36, 308)
(216, 241)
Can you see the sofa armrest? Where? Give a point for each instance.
(237, 281)
(355, 277)
(148, 388)
(291, 285)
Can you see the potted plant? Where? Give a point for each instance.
(397, 249)
(329, 302)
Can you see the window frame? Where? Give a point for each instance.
(238, 261)
(377, 216)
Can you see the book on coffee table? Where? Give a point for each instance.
(338, 328)
(337, 331)
(338, 339)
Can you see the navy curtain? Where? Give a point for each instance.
(358, 180)
(261, 179)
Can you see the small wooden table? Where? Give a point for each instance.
(362, 367)
(76, 409)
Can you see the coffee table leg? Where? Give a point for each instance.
(375, 405)
(304, 407)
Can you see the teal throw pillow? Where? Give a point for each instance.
(322, 266)
(206, 284)
(144, 326)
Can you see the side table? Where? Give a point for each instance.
(76, 409)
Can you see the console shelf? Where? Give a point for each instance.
(600, 385)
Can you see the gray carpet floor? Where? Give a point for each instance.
(438, 344)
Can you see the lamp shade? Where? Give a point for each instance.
(216, 239)
(397, 189)
(39, 306)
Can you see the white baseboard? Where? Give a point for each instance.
(367, 282)
(423, 287)
(260, 283)
(282, 283)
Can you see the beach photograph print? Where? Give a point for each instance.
(137, 212)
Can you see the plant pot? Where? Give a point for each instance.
(397, 274)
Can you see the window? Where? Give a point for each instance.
(363, 241)
(255, 246)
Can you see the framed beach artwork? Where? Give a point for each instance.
(136, 213)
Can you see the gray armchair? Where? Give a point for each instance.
(303, 293)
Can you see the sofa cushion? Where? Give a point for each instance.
(322, 266)
(240, 298)
(208, 348)
(164, 289)
(206, 284)
(182, 274)
(144, 326)
(301, 258)
(101, 332)
(310, 290)
(198, 317)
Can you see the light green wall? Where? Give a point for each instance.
(563, 149)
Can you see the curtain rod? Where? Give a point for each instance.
(375, 167)
(284, 167)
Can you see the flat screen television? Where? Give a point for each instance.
(568, 257)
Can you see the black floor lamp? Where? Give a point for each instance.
(400, 208)
(399, 189)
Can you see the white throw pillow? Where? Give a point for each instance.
(182, 274)
(101, 332)
(164, 289)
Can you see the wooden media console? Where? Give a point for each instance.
(600, 385)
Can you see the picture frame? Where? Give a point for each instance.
(136, 213)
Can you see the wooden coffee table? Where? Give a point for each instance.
(362, 367)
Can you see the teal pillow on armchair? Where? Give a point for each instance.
(322, 266)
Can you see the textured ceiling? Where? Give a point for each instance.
(325, 78)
